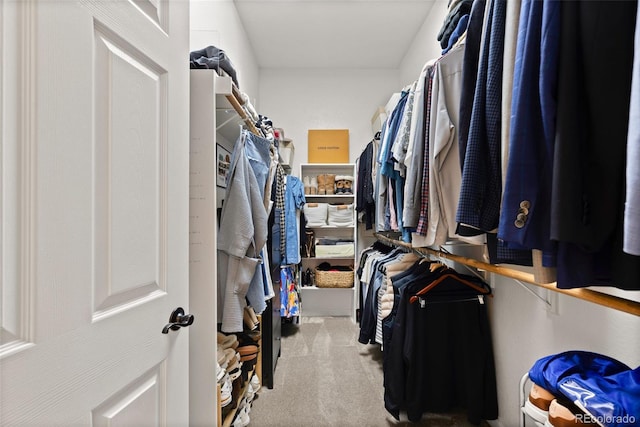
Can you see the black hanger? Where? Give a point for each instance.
(381, 247)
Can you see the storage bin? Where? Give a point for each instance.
(340, 215)
(334, 278)
(316, 214)
(341, 250)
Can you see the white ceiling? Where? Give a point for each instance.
(332, 33)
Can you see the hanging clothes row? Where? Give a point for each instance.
(284, 243)
(510, 139)
(429, 318)
(377, 264)
(366, 166)
(243, 271)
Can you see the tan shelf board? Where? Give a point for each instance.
(596, 297)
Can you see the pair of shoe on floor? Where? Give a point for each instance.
(583, 388)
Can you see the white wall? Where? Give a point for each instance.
(523, 331)
(216, 22)
(301, 99)
(425, 45)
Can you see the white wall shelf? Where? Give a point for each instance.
(330, 301)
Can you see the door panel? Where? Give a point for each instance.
(94, 227)
(140, 403)
(130, 174)
(16, 178)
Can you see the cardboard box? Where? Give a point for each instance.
(328, 145)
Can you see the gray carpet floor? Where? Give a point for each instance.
(324, 377)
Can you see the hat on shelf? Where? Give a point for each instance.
(227, 341)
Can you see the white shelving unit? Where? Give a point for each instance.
(215, 112)
(330, 301)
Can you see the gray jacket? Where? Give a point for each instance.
(243, 233)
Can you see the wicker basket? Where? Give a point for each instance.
(334, 279)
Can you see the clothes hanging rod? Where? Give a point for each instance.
(243, 115)
(600, 298)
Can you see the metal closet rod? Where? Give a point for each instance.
(600, 298)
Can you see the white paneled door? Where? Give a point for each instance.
(94, 212)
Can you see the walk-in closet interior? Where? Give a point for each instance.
(476, 228)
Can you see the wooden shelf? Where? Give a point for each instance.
(243, 115)
(596, 297)
(228, 97)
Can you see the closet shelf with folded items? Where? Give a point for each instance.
(329, 245)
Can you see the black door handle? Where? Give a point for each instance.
(178, 320)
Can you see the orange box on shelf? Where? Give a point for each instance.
(328, 145)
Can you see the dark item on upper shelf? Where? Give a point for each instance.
(214, 58)
(332, 241)
(325, 266)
